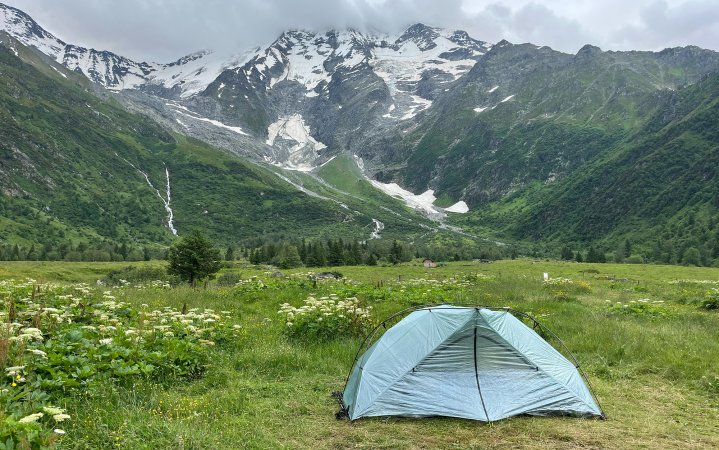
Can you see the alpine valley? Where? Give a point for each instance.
(430, 137)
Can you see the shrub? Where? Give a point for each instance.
(635, 259)
(567, 285)
(326, 318)
(135, 275)
(641, 308)
(712, 299)
(228, 279)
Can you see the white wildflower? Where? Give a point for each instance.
(52, 410)
(31, 418)
(38, 352)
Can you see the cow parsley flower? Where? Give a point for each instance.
(31, 418)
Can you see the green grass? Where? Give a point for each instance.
(654, 376)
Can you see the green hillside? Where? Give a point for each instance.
(70, 168)
(658, 187)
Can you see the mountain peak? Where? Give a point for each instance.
(23, 28)
(421, 35)
(589, 51)
(191, 57)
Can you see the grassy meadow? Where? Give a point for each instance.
(642, 333)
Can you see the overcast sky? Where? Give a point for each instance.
(163, 30)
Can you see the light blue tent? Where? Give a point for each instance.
(468, 362)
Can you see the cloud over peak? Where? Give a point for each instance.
(163, 30)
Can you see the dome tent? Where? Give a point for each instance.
(476, 363)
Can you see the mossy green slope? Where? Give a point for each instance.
(658, 186)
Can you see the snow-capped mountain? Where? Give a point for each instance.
(185, 77)
(412, 65)
(342, 86)
(304, 98)
(309, 58)
(106, 68)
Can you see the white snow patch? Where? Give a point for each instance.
(479, 109)
(506, 99)
(293, 128)
(198, 71)
(418, 104)
(328, 161)
(390, 109)
(193, 115)
(493, 89)
(360, 162)
(422, 202)
(61, 74)
(459, 207)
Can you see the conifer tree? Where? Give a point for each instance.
(193, 258)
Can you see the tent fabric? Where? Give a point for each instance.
(466, 362)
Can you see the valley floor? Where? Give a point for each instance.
(641, 333)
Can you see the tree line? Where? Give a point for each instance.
(659, 252)
(69, 251)
(330, 252)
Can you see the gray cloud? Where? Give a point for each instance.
(163, 30)
(662, 25)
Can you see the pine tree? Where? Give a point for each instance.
(592, 256)
(290, 258)
(193, 258)
(230, 254)
(31, 254)
(255, 256)
(601, 257)
(335, 255)
(303, 251)
(691, 257)
(627, 248)
(395, 253)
